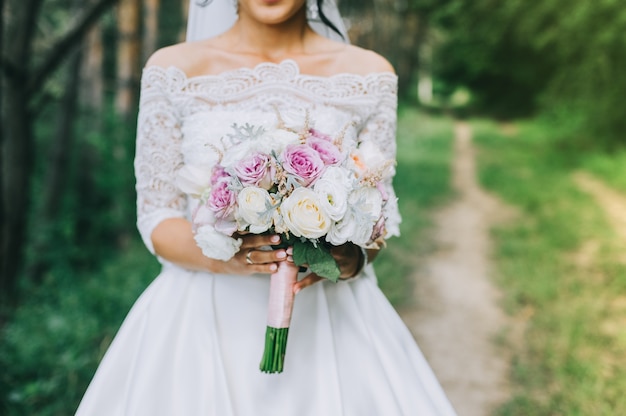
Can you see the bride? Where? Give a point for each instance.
(191, 344)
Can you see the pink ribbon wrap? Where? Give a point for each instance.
(281, 295)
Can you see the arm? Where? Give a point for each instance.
(161, 206)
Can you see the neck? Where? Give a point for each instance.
(272, 42)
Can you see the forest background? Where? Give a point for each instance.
(70, 73)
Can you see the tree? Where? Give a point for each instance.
(22, 82)
(559, 57)
(92, 76)
(150, 27)
(128, 55)
(395, 29)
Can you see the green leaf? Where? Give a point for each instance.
(319, 259)
(299, 252)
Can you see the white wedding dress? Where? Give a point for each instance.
(192, 343)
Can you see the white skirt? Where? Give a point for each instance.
(192, 343)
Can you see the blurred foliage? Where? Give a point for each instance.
(98, 207)
(53, 344)
(422, 183)
(94, 266)
(611, 169)
(563, 58)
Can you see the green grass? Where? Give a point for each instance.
(422, 183)
(561, 267)
(611, 168)
(56, 338)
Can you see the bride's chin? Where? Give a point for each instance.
(271, 12)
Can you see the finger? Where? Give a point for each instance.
(259, 240)
(242, 265)
(265, 268)
(265, 256)
(307, 281)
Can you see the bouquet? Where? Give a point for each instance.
(289, 178)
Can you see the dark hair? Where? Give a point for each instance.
(325, 20)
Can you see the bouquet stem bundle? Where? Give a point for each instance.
(278, 317)
(275, 348)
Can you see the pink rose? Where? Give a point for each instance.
(319, 135)
(255, 170)
(222, 200)
(304, 162)
(218, 174)
(329, 153)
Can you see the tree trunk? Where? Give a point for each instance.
(17, 144)
(21, 83)
(393, 29)
(92, 76)
(410, 37)
(17, 153)
(182, 35)
(3, 284)
(150, 28)
(57, 171)
(128, 54)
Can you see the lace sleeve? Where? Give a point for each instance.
(157, 157)
(381, 128)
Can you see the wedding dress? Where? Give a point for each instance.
(192, 343)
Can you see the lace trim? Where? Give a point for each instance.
(169, 97)
(232, 85)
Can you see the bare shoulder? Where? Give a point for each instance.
(174, 55)
(193, 58)
(363, 61)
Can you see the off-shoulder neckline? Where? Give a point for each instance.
(289, 66)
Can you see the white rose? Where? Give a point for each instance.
(303, 214)
(276, 140)
(372, 154)
(333, 197)
(193, 180)
(234, 154)
(365, 206)
(255, 208)
(340, 176)
(342, 231)
(367, 202)
(216, 245)
(201, 214)
(294, 117)
(362, 232)
(369, 157)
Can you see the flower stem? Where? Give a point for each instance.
(275, 348)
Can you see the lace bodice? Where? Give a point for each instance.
(180, 117)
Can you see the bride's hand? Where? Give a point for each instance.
(349, 259)
(254, 257)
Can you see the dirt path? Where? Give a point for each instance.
(455, 317)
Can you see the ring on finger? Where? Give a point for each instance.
(248, 259)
